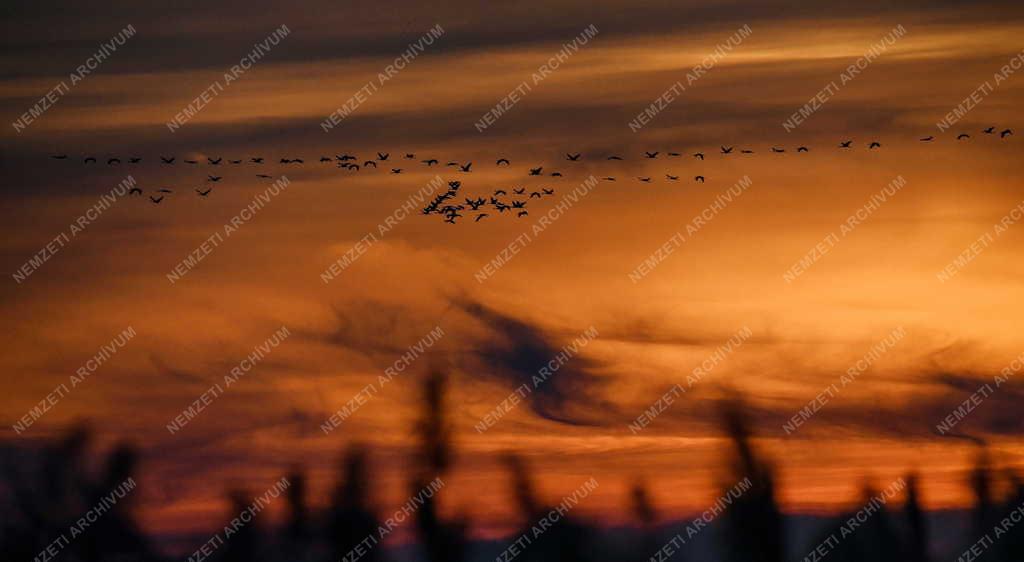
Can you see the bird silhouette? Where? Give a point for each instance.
(726, 150)
(214, 178)
(345, 157)
(500, 192)
(802, 149)
(135, 191)
(112, 161)
(204, 193)
(167, 159)
(480, 216)
(846, 144)
(746, 151)
(929, 138)
(90, 159)
(1005, 133)
(214, 161)
(547, 191)
(134, 160)
(556, 174)
(326, 159)
(382, 156)
(778, 150)
(191, 162)
(164, 190)
(430, 161)
(651, 154)
(989, 131)
(535, 194)
(156, 199)
(519, 191)
(698, 179)
(453, 164)
(875, 144)
(645, 180)
(396, 170)
(671, 177)
(674, 154)
(262, 176)
(256, 160)
(59, 156)
(699, 155)
(369, 163)
(963, 136)
(501, 161)
(614, 158)
(235, 161)
(410, 156)
(466, 167)
(536, 171)
(572, 157)
(522, 214)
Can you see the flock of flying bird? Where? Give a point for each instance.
(447, 204)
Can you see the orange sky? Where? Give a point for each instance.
(573, 275)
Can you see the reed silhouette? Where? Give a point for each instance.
(46, 490)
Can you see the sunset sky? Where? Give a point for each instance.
(880, 275)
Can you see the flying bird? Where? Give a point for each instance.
(204, 193)
(383, 156)
(466, 167)
(501, 161)
(214, 178)
(164, 190)
(746, 151)
(651, 154)
(59, 156)
(396, 170)
(235, 161)
(572, 157)
(89, 159)
(963, 136)
(698, 179)
(929, 138)
(156, 199)
(1005, 133)
(802, 149)
(608, 178)
(671, 177)
(673, 154)
(167, 159)
(134, 160)
(430, 161)
(214, 161)
(257, 160)
(369, 163)
(410, 156)
(262, 176)
(614, 158)
(547, 191)
(989, 130)
(875, 144)
(699, 155)
(556, 174)
(135, 191)
(846, 144)
(111, 161)
(645, 180)
(480, 216)
(726, 150)
(778, 150)
(191, 162)
(522, 214)
(536, 171)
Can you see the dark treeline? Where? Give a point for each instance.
(49, 512)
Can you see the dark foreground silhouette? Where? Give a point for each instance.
(49, 512)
